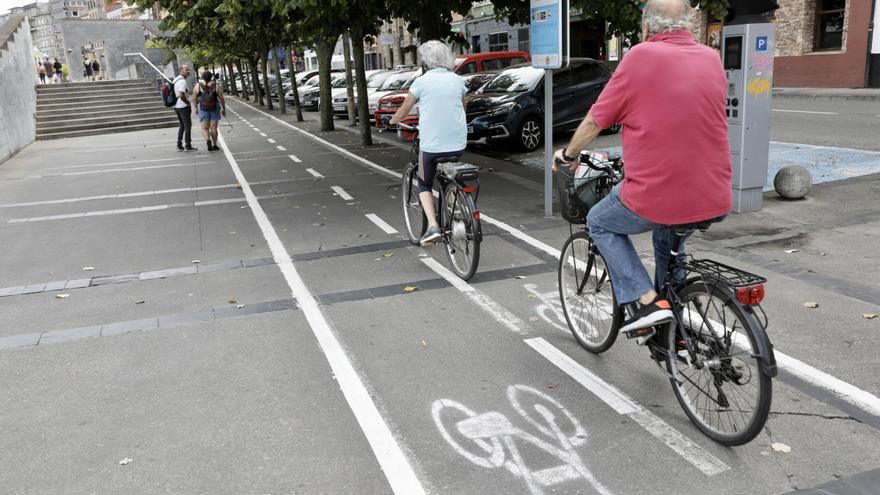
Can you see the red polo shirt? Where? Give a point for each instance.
(669, 94)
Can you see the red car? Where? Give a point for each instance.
(389, 103)
(492, 61)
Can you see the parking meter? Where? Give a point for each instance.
(748, 51)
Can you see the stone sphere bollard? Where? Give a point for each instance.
(792, 182)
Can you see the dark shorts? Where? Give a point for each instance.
(428, 168)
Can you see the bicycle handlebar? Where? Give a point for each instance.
(405, 127)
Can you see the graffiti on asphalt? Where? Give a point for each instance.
(491, 440)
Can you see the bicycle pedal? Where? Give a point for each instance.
(645, 338)
(640, 332)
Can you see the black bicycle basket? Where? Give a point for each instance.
(583, 188)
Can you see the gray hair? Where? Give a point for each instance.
(435, 54)
(663, 16)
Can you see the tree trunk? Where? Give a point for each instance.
(349, 82)
(324, 49)
(245, 93)
(281, 103)
(231, 75)
(299, 112)
(255, 81)
(264, 62)
(361, 76)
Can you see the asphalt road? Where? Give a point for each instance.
(247, 324)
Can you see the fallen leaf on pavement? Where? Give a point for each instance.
(233, 232)
(140, 302)
(62, 296)
(533, 318)
(240, 306)
(520, 277)
(363, 235)
(780, 447)
(424, 344)
(126, 461)
(811, 305)
(233, 301)
(531, 296)
(869, 316)
(196, 262)
(387, 255)
(790, 251)
(551, 385)
(410, 289)
(238, 186)
(88, 268)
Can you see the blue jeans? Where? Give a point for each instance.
(611, 223)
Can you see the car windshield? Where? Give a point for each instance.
(396, 81)
(514, 80)
(339, 82)
(474, 82)
(377, 79)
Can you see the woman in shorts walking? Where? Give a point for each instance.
(210, 106)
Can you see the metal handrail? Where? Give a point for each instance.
(141, 55)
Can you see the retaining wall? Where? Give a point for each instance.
(18, 78)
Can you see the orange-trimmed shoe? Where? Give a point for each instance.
(657, 312)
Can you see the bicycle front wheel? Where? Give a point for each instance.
(587, 297)
(413, 213)
(717, 378)
(462, 232)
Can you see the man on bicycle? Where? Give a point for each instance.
(669, 94)
(442, 126)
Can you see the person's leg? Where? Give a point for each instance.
(427, 170)
(664, 238)
(214, 133)
(206, 130)
(187, 122)
(181, 128)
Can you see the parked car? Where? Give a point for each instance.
(393, 83)
(511, 106)
(375, 78)
(310, 95)
(310, 82)
(492, 61)
(389, 103)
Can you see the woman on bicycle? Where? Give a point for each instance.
(439, 93)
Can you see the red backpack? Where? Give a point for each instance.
(208, 97)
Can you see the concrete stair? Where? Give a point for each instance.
(100, 107)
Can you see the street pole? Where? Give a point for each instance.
(548, 142)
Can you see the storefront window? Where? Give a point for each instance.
(498, 42)
(829, 24)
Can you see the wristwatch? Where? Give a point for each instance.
(565, 155)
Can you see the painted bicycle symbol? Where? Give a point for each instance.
(491, 441)
(550, 309)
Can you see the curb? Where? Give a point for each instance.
(822, 96)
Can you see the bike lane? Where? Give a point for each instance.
(378, 321)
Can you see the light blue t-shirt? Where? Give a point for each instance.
(442, 125)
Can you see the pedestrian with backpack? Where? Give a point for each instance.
(210, 106)
(59, 75)
(87, 70)
(41, 71)
(50, 70)
(181, 103)
(96, 68)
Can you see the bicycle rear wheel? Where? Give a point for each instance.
(719, 382)
(462, 231)
(587, 297)
(413, 214)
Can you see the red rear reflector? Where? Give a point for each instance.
(469, 189)
(477, 215)
(750, 295)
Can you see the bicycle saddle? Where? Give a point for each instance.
(458, 171)
(685, 228)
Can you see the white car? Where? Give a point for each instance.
(392, 83)
(375, 78)
(310, 95)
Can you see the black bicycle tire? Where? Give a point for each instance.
(470, 207)
(762, 411)
(617, 317)
(406, 189)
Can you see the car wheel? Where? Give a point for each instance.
(531, 134)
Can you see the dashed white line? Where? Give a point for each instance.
(341, 192)
(271, 140)
(116, 196)
(620, 402)
(281, 148)
(394, 464)
(382, 224)
(804, 111)
(314, 173)
(256, 129)
(294, 158)
(263, 134)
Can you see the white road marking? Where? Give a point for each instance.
(382, 224)
(116, 196)
(495, 310)
(844, 390)
(271, 140)
(804, 111)
(314, 173)
(620, 402)
(281, 148)
(256, 129)
(263, 134)
(113, 170)
(113, 164)
(341, 192)
(394, 464)
(294, 158)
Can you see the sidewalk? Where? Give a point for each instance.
(864, 94)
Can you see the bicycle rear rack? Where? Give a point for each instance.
(725, 274)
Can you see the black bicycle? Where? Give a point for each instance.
(457, 190)
(717, 354)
